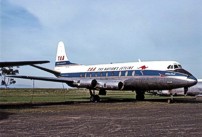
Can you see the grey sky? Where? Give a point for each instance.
(103, 31)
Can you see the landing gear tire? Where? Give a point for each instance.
(140, 97)
(170, 101)
(95, 98)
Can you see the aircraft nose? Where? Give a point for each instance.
(191, 80)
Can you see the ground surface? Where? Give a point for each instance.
(108, 118)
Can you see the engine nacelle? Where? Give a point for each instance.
(85, 83)
(110, 85)
(100, 84)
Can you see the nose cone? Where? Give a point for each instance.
(191, 81)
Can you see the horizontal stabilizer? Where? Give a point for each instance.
(56, 73)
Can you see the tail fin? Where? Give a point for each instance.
(61, 57)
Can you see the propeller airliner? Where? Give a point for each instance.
(138, 76)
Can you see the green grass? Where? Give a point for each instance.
(61, 95)
(41, 95)
(55, 95)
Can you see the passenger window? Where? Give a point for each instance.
(126, 73)
(103, 74)
(119, 73)
(133, 73)
(122, 73)
(130, 73)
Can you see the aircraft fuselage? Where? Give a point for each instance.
(130, 79)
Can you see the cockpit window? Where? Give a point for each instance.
(170, 67)
(179, 66)
(175, 66)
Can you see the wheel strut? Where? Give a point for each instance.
(93, 96)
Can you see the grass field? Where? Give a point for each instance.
(61, 95)
(54, 95)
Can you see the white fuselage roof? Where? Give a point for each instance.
(148, 65)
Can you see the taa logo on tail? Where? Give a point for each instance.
(60, 58)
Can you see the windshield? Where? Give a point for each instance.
(175, 66)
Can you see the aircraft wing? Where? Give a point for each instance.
(53, 79)
(21, 63)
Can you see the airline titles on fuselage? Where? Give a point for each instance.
(111, 68)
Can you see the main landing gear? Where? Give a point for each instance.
(140, 95)
(93, 96)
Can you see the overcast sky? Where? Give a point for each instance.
(101, 31)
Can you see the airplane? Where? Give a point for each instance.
(195, 90)
(136, 76)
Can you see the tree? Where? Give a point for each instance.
(5, 81)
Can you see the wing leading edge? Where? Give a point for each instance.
(64, 80)
(21, 63)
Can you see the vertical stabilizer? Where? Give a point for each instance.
(61, 57)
